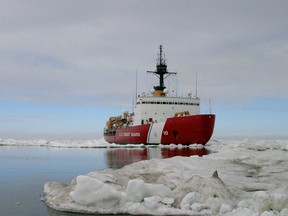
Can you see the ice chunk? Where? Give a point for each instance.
(278, 201)
(212, 187)
(262, 201)
(190, 198)
(225, 208)
(268, 213)
(152, 202)
(185, 207)
(167, 201)
(284, 212)
(136, 190)
(214, 204)
(198, 207)
(56, 193)
(246, 203)
(92, 192)
(159, 190)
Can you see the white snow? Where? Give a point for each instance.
(251, 179)
(93, 192)
(57, 143)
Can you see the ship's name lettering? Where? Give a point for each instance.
(137, 134)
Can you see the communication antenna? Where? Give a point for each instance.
(134, 97)
(161, 70)
(196, 85)
(210, 111)
(132, 102)
(176, 86)
(136, 81)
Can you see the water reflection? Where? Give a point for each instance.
(117, 158)
(184, 152)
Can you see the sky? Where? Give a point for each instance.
(67, 66)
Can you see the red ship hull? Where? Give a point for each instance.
(194, 129)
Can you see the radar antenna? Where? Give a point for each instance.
(162, 73)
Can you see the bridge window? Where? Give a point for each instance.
(168, 103)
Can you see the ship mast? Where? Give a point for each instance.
(162, 73)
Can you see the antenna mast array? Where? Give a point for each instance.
(161, 72)
(196, 84)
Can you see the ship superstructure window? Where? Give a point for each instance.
(170, 103)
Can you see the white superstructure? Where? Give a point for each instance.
(158, 109)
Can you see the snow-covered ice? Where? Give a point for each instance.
(248, 177)
(101, 143)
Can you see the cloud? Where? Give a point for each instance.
(88, 51)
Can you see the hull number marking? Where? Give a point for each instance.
(165, 133)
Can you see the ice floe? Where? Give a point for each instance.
(247, 177)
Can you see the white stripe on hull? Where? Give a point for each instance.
(155, 133)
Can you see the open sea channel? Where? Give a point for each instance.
(25, 170)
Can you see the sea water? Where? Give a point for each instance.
(25, 170)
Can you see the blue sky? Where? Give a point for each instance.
(27, 120)
(66, 66)
(263, 118)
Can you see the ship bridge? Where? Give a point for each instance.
(158, 109)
